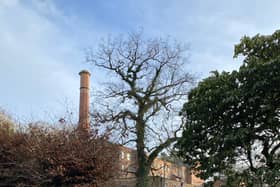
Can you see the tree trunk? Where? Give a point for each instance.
(143, 166)
(142, 177)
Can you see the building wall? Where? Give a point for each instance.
(218, 183)
(177, 175)
(196, 180)
(128, 162)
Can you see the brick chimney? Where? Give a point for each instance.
(84, 118)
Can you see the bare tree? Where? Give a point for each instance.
(141, 98)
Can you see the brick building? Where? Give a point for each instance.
(163, 173)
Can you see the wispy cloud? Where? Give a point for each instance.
(38, 61)
(42, 42)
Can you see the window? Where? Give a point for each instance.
(122, 155)
(128, 156)
(166, 167)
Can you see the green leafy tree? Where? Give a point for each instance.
(233, 119)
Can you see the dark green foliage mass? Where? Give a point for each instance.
(233, 118)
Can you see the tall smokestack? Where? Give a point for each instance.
(84, 118)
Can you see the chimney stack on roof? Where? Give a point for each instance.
(84, 117)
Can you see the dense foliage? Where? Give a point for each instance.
(233, 119)
(38, 156)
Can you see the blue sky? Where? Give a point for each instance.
(43, 41)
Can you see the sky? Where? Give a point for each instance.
(43, 42)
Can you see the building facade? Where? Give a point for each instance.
(163, 173)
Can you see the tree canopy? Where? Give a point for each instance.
(140, 101)
(233, 118)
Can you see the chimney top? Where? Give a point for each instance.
(84, 72)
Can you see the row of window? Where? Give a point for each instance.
(128, 157)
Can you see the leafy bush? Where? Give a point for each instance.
(42, 156)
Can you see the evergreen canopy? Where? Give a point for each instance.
(233, 118)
